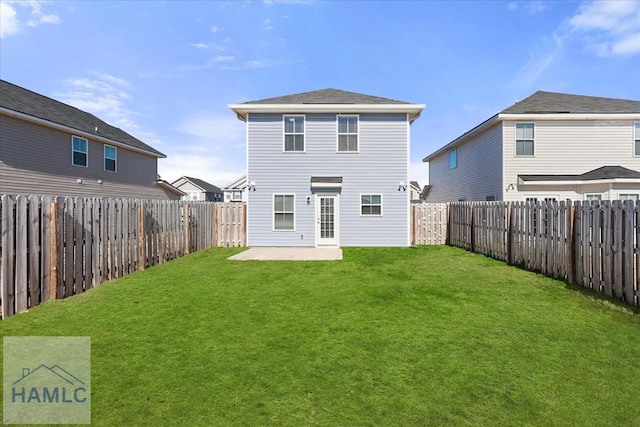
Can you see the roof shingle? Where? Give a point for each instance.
(327, 96)
(604, 172)
(550, 102)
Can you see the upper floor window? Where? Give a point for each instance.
(524, 139)
(236, 195)
(79, 149)
(110, 158)
(347, 133)
(453, 158)
(293, 133)
(637, 140)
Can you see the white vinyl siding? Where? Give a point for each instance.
(371, 204)
(293, 132)
(284, 212)
(79, 151)
(110, 158)
(347, 133)
(525, 137)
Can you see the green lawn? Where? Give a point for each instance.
(426, 336)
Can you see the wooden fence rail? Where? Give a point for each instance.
(57, 247)
(429, 223)
(592, 244)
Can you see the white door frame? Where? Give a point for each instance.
(335, 241)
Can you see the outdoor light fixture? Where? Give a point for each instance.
(402, 186)
(308, 200)
(510, 187)
(251, 186)
(79, 181)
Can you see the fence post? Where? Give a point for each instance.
(571, 254)
(142, 233)
(186, 227)
(216, 218)
(509, 235)
(472, 237)
(54, 244)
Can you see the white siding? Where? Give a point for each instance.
(377, 168)
(477, 175)
(568, 147)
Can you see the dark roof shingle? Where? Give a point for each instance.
(604, 172)
(209, 188)
(24, 101)
(327, 96)
(550, 102)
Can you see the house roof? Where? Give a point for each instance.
(327, 96)
(552, 106)
(239, 183)
(604, 172)
(204, 185)
(415, 184)
(551, 102)
(34, 105)
(327, 101)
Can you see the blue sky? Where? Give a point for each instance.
(165, 71)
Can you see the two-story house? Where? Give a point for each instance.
(236, 191)
(196, 189)
(51, 148)
(328, 168)
(547, 146)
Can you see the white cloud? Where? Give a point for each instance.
(12, 20)
(268, 25)
(215, 29)
(609, 27)
(254, 64)
(539, 61)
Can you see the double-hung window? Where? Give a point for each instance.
(79, 149)
(293, 133)
(371, 204)
(110, 158)
(628, 196)
(347, 133)
(525, 139)
(636, 151)
(283, 212)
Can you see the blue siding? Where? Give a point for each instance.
(377, 168)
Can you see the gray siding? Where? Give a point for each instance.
(377, 168)
(36, 159)
(479, 171)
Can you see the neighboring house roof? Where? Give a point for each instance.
(327, 100)
(203, 185)
(239, 184)
(602, 173)
(552, 106)
(425, 192)
(415, 184)
(23, 103)
(164, 184)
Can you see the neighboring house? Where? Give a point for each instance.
(328, 168)
(547, 146)
(415, 191)
(236, 191)
(47, 147)
(197, 189)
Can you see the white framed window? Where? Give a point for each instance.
(236, 195)
(284, 212)
(490, 198)
(348, 133)
(525, 139)
(371, 204)
(293, 132)
(636, 148)
(593, 197)
(453, 158)
(110, 158)
(194, 195)
(79, 151)
(629, 196)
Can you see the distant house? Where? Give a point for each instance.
(328, 168)
(415, 191)
(47, 147)
(197, 189)
(550, 146)
(236, 191)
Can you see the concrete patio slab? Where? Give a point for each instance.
(289, 254)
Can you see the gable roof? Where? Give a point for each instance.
(240, 183)
(327, 101)
(552, 106)
(601, 173)
(30, 105)
(551, 102)
(204, 185)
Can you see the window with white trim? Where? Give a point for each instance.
(293, 133)
(236, 195)
(593, 197)
(283, 212)
(79, 147)
(525, 139)
(453, 158)
(347, 133)
(628, 196)
(110, 158)
(371, 204)
(637, 139)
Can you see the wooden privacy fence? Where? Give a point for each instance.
(58, 247)
(592, 244)
(429, 223)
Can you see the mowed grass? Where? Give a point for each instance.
(404, 336)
